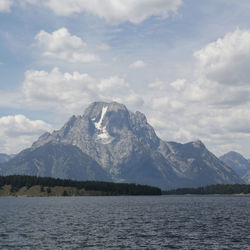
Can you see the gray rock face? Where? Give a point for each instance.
(122, 142)
(128, 149)
(199, 166)
(238, 163)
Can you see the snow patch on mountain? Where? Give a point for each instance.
(98, 125)
(102, 135)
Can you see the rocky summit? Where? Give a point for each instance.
(123, 147)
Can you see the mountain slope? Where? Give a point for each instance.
(200, 166)
(129, 150)
(55, 160)
(238, 163)
(4, 158)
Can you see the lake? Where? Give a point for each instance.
(125, 222)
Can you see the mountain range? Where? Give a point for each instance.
(109, 142)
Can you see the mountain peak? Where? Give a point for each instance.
(96, 107)
(198, 144)
(233, 154)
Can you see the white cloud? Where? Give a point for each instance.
(223, 76)
(18, 132)
(5, 5)
(116, 11)
(61, 45)
(69, 93)
(63, 91)
(183, 111)
(138, 64)
(117, 89)
(227, 60)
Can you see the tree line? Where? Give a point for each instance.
(212, 189)
(19, 181)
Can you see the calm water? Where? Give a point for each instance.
(162, 222)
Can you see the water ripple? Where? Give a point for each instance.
(162, 222)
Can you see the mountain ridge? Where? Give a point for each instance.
(238, 163)
(127, 148)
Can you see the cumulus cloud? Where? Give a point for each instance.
(115, 11)
(18, 132)
(5, 5)
(185, 110)
(138, 64)
(227, 60)
(61, 45)
(69, 93)
(222, 71)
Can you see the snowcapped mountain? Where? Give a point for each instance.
(128, 150)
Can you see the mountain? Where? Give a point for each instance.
(122, 142)
(4, 157)
(128, 150)
(55, 160)
(199, 165)
(238, 163)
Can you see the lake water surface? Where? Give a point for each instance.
(128, 222)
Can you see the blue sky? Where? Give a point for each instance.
(184, 63)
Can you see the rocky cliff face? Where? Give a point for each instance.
(238, 163)
(128, 149)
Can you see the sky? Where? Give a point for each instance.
(184, 63)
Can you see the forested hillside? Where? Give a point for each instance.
(17, 182)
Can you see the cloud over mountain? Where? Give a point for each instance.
(68, 93)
